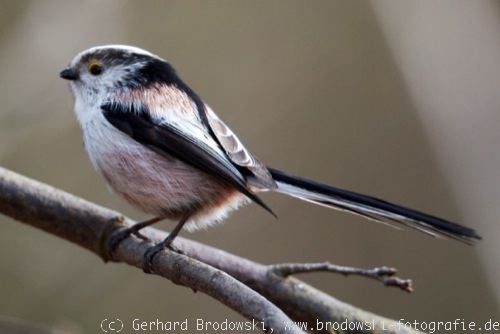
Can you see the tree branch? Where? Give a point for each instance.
(252, 289)
(386, 275)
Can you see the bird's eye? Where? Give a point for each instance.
(95, 68)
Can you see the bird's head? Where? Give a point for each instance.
(107, 69)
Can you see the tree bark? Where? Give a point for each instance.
(256, 291)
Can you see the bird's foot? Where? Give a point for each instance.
(151, 252)
(118, 236)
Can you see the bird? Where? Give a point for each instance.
(163, 149)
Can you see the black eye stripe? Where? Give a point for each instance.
(140, 69)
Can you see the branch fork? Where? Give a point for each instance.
(256, 291)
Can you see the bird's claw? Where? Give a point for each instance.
(151, 252)
(118, 236)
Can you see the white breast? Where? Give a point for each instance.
(157, 184)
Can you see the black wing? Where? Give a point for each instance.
(236, 152)
(165, 138)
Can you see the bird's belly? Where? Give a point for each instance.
(159, 184)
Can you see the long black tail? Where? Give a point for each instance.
(369, 207)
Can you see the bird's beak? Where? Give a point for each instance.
(69, 74)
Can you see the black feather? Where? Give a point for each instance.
(158, 71)
(427, 221)
(166, 139)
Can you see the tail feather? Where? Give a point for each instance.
(370, 207)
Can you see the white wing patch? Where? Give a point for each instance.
(173, 106)
(237, 152)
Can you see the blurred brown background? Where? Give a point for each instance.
(394, 99)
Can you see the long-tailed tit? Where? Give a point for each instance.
(162, 148)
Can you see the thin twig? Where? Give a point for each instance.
(385, 275)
